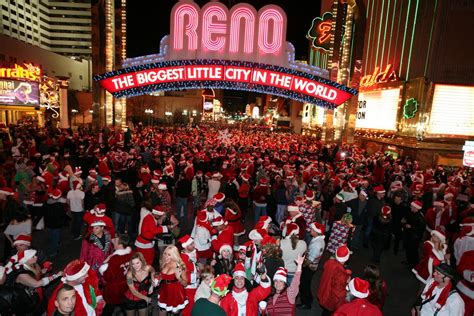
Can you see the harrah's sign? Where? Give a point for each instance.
(214, 47)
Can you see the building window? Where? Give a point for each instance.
(80, 77)
(6, 28)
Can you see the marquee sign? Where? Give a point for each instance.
(214, 47)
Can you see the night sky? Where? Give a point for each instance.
(150, 20)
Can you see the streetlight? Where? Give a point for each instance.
(150, 113)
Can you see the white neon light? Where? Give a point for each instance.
(248, 18)
(210, 28)
(181, 29)
(265, 44)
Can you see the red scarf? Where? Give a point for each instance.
(443, 297)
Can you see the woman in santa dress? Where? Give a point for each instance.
(139, 281)
(434, 253)
(172, 295)
(233, 216)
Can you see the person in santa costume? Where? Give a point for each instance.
(97, 246)
(437, 216)
(140, 278)
(244, 193)
(439, 296)
(224, 261)
(358, 290)
(295, 216)
(233, 216)
(240, 301)
(465, 242)
(98, 213)
(210, 305)
(89, 300)
(148, 229)
(283, 302)
(435, 252)
(188, 255)
(314, 253)
(225, 234)
(465, 285)
(202, 236)
(113, 271)
(254, 254)
(335, 277)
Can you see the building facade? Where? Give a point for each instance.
(63, 27)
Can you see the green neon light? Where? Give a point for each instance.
(315, 20)
(431, 34)
(410, 108)
(391, 28)
(317, 59)
(352, 48)
(311, 56)
(368, 41)
(380, 31)
(412, 36)
(398, 26)
(385, 34)
(404, 37)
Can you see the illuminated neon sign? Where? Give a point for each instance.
(379, 76)
(321, 31)
(28, 72)
(214, 47)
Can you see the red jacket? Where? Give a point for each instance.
(358, 307)
(433, 223)
(332, 287)
(229, 304)
(114, 271)
(226, 236)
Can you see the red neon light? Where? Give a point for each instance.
(226, 73)
(324, 31)
(379, 76)
(212, 28)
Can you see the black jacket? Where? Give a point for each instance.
(54, 214)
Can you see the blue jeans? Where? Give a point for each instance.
(182, 207)
(280, 214)
(120, 221)
(260, 211)
(54, 238)
(76, 226)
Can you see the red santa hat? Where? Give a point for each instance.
(63, 175)
(76, 185)
(268, 240)
(342, 254)
(75, 270)
(98, 223)
(162, 186)
(379, 189)
(438, 233)
(239, 270)
(55, 194)
(281, 274)
(217, 221)
(245, 177)
(106, 179)
(169, 171)
(266, 220)
(157, 173)
(16, 261)
(158, 210)
(257, 234)
(309, 195)
(100, 209)
(185, 241)
(438, 204)
(299, 200)
(7, 191)
(202, 216)
(318, 227)
(293, 208)
(225, 247)
(467, 230)
(77, 171)
(155, 180)
(386, 210)
(219, 197)
(359, 287)
(263, 181)
(292, 229)
(23, 239)
(417, 204)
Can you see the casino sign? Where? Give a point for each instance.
(214, 47)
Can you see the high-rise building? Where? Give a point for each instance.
(109, 38)
(62, 26)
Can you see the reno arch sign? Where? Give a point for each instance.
(217, 47)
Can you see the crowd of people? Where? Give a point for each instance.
(195, 221)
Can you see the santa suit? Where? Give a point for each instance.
(358, 307)
(103, 168)
(89, 218)
(145, 240)
(432, 257)
(245, 303)
(202, 240)
(436, 219)
(332, 287)
(114, 271)
(226, 236)
(87, 297)
(210, 217)
(234, 218)
(461, 245)
(189, 260)
(465, 286)
(454, 304)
